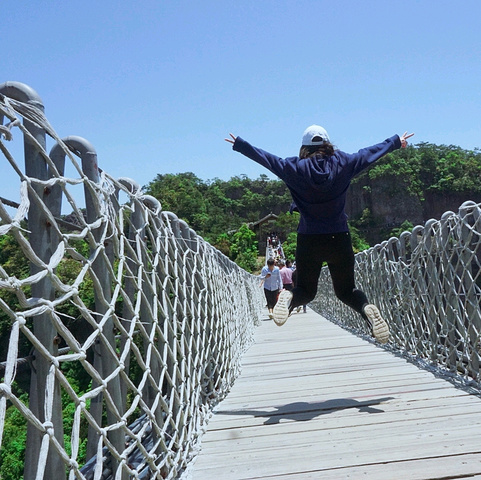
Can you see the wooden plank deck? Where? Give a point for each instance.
(316, 402)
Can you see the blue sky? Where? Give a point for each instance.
(155, 86)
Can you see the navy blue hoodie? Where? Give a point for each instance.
(319, 184)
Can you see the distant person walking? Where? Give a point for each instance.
(286, 275)
(318, 180)
(271, 277)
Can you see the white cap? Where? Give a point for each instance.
(312, 132)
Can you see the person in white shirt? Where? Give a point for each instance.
(272, 284)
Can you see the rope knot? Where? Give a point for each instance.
(49, 428)
(5, 390)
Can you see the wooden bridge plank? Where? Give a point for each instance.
(314, 401)
(467, 467)
(254, 427)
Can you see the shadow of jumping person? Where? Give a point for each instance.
(304, 411)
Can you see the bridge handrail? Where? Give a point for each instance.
(121, 292)
(427, 284)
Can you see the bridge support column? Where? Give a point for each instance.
(44, 241)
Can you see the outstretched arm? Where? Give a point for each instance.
(367, 156)
(271, 162)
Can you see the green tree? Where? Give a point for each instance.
(358, 242)
(15, 264)
(182, 194)
(12, 453)
(286, 223)
(406, 226)
(223, 244)
(289, 246)
(244, 248)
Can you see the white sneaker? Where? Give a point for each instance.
(281, 310)
(380, 329)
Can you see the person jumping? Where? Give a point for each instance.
(318, 180)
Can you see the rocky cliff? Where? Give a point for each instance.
(377, 206)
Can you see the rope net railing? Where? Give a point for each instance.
(118, 326)
(427, 284)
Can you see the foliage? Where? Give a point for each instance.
(413, 181)
(16, 264)
(289, 246)
(215, 207)
(12, 259)
(428, 167)
(68, 412)
(358, 243)
(244, 248)
(12, 453)
(183, 194)
(286, 223)
(223, 243)
(406, 226)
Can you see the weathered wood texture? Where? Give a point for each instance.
(315, 402)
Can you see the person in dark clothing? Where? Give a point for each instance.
(318, 180)
(294, 281)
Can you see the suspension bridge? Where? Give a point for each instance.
(124, 355)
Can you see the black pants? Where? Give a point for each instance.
(271, 297)
(336, 250)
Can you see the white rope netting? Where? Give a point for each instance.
(125, 325)
(427, 284)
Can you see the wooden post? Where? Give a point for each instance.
(104, 361)
(44, 241)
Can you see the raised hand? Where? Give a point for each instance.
(232, 138)
(404, 138)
